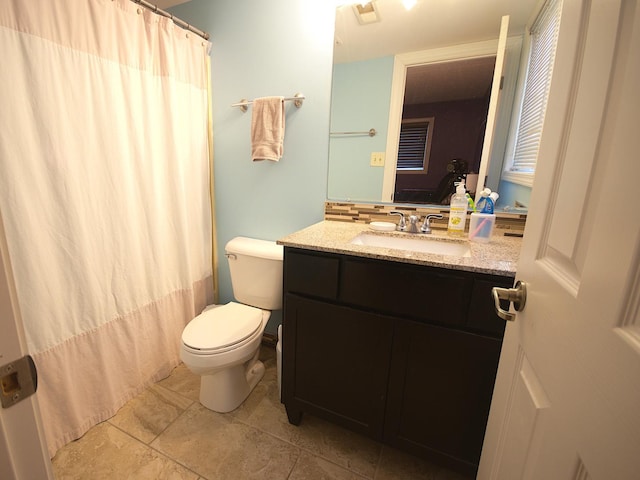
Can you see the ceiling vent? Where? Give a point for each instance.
(366, 13)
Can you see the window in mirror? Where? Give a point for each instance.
(543, 39)
(415, 145)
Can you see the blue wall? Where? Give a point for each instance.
(262, 49)
(360, 101)
(510, 193)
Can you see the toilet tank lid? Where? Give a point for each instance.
(255, 248)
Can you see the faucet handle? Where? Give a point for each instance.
(426, 225)
(402, 224)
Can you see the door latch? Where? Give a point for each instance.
(516, 295)
(18, 380)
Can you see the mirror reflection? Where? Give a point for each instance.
(434, 155)
(450, 114)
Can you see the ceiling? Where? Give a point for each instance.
(449, 81)
(429, 24)
(163, 4)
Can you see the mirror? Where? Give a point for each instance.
(363, 96)
(458, 95)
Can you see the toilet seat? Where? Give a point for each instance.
(220, 329)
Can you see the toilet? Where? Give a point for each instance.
(222, 344)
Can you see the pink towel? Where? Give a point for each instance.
(267, 128)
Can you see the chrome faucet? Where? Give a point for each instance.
(402, 224)
(426, 225)
(413, 224)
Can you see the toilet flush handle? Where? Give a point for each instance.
(231, 255)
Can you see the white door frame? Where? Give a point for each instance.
(23, 450)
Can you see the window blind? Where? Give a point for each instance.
(413, 145)
(544, 37)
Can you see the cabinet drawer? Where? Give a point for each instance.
(311, 274)
(482, 316)
(407, 290)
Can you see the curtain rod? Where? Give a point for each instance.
(176, 20)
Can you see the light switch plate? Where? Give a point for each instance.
(377, 159)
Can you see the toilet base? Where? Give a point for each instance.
(226, 389)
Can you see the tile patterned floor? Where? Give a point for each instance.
(164, 433)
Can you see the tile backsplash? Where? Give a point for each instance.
(507, 223)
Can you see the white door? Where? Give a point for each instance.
(23, 453)
(567, 399)
(494, 102)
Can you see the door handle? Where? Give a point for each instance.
(516, 295)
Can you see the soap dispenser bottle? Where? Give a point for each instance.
(458, 211)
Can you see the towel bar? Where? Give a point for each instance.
(372, 133)
(297, 99)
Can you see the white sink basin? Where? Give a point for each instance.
(421, 244)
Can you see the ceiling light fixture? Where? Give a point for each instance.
(409, 4)
(366, 13)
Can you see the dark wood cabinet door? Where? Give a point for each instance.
(440, 388)
(336, 363)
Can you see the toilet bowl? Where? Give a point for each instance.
(222, 344)
(224, 356)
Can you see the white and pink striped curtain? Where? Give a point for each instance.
(104, 191)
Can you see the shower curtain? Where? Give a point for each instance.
(105, 194)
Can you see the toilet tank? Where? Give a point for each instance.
(256, 272)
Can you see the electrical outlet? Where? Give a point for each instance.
(377, 159)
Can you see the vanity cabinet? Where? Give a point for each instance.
(406, 354)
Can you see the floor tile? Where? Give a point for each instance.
(255, 441)
(184, 382)
(343, 447)
(310, 467)
(105, 452)
(147, 415)
(216, 446)
(397, 465)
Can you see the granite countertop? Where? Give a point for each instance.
(498, 257)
